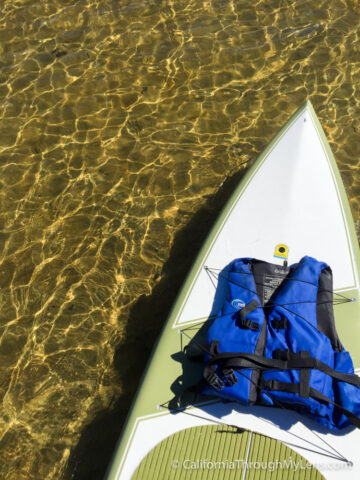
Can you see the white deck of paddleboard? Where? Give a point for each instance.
(151, 430)
(292, 198)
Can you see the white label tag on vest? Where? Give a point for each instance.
(271, 283)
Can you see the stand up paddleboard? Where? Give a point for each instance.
(291, 203)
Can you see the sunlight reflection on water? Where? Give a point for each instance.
(117, 121)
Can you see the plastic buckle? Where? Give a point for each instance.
(269, 385)
(230, 376)
(215, 382)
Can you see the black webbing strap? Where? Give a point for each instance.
(196, 351)
(304, 377)
(351, 416)
(209, 371)
(246, 322)
(274, 385)
(279, 323)
(279, 354)
(296, 362)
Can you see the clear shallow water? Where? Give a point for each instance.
(118, 123)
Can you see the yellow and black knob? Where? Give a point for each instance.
(281, 251)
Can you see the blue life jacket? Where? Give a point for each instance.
(275, 342)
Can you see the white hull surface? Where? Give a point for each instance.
(292, 197)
